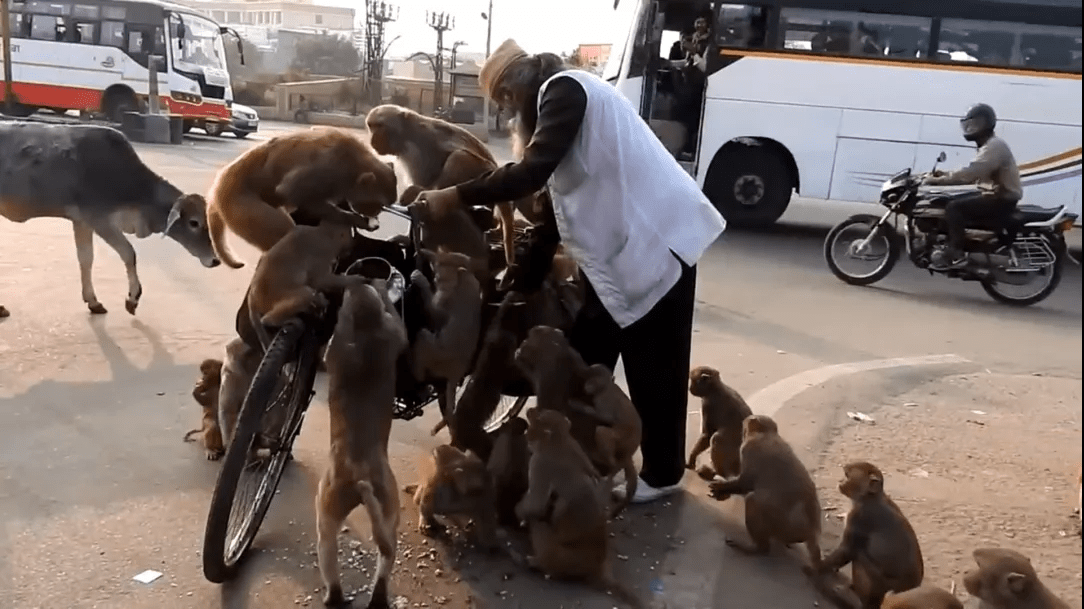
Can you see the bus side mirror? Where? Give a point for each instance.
(181, 32)
(941, 157)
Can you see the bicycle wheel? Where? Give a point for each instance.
(252, 468)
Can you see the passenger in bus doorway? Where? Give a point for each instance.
(696, 46)
(616, 191)
(997, 176)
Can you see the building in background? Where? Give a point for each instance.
(594, 55)
(301, 15)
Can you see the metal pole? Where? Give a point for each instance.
(489, 36)
(152, 85)
(5, 25)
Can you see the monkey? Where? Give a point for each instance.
(923, 597)
(455, 314)
(565, 507)
(458, 485)
(206, 395)
(4, 312)
(290, 278)
(508, 466)
(482, 392)
(1006, 579)
(561, 380)
(238, 368)
(368, 339)
(436, 154)
(313, 171)
(780, 496)
(618, 438)
(878, 540)
(722, 411)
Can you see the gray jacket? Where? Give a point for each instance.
(994, 169)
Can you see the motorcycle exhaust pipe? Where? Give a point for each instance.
(1013, 277)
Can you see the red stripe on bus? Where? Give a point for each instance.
(81, 98)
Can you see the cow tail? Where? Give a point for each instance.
(216, 227)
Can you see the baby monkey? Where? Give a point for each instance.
(206, 394)
(722, 411)
(1006, 579)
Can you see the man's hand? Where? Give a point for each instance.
(440, 203)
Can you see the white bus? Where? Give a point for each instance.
(827, 98)
(92, 56)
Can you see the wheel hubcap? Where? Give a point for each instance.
(749, 189)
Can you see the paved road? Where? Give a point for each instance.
(96, 485)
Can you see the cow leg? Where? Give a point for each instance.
(84, 251)
(116, 240)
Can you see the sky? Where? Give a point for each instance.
(557, 26)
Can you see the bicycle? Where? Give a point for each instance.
(282, 389)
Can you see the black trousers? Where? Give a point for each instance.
(985, 209)
(656, 353)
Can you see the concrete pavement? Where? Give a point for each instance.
(96, 485)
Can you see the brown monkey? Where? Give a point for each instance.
(923, 597)
(482, 392)
(361, 359)
(206, 395)
(618, 438)
(722, 411)
(565, 507)
(4, 312)
(292, 276)
(436, 154)
(238, 367)
(313, 170)
(458, 485)
(1006, 579)
(455, 232)
(878, 540)
(780, 496)
(508, 466)
(561, 380)
(455, 314)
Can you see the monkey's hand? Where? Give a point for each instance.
(410, 194)
(721, 490)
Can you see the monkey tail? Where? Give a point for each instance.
(216, 228)
(188, 436)
(835, 587)
(439, 426)
(368, 497)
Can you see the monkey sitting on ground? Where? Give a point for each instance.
(457, 486)
(482, 393)
(291, 277)
(878, 540)
(780, 496)
(369, 337)
(206, 395)
(1006, 579)
(923, 597)
(560, 378)
(455, 315)
(565, 507)
(436, 154)
(722, 411)
(509, 466)
(313, 171)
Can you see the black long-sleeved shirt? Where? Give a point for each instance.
(560, 115)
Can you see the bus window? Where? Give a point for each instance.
(46, 27)
(741, 25)
(1051, 48)
(988, 42)
(856, 34)
(112, 34)
(84, 33)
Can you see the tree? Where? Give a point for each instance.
(326, 54)
(576, 60)
(250, 69)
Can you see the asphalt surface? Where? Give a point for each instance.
(96, 485)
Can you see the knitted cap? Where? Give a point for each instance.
(494, 67)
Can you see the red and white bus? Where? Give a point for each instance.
(92, 56)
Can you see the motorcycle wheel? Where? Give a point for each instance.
(859, 228)
(1053, 278)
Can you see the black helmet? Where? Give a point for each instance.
(979, 122)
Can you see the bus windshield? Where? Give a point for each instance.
(201, 44)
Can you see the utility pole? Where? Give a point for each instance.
(451, 67)
(440, 22)
(488, 16)
(377, 16)
(5, 25)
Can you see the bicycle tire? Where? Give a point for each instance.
(222, 556)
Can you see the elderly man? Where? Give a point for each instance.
(630, 216)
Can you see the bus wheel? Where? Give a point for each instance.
(750, 186)
(186, 126)
(117, 102)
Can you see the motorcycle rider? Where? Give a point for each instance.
(993, 171)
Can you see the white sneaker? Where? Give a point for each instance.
(646, 493)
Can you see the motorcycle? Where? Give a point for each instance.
(1025, 250)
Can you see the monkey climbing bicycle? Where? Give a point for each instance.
(282, 388)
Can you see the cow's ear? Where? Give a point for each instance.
(174, 215)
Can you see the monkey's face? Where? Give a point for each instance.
(385, 124)
(544, 425)
(373, 191)
(701, 380)
(758, 424)
(861, 480)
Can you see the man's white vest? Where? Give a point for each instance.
(623, 204)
